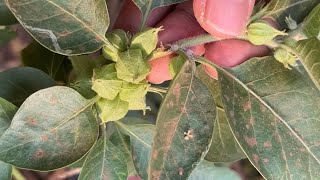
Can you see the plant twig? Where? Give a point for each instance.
(17, 174)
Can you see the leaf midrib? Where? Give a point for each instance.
(270, 108)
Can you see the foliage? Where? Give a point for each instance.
(266, 109)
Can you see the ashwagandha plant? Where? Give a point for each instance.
(56, 114)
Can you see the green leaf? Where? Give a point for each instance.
(7, 18)
(131, 91)
(83, 68)
(208, 171)
(66, 27)
(141, 136)
(146, 41)
(224, 147)
(6, 171)
(105, 82)
(274, 114)
(176, 64)
(123, 143)
(131, 67)
(6, 34)
(278, 10)
(120, 40)
(146, 6)
(7, 111)
(112, 110)
(311, 25)
(19, 83)
(53, 128)
(309, 53)
(56, 66)
(104, 161)
(184, 127)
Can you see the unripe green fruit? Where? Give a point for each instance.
(261, 33)
(285, 57)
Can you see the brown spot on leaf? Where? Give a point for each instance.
(231, 114)
(267, 144)
(32, 121)
(177, 91)
(183, 110)
(255, 158)
(250, 141)
(246, 106)
(247, 126)
(156, 175)
(278, 137)
(265, 161)
(155, 154)
(251, 120)
(44, 138)
(53, 100)
(39, 154)
(227, 98)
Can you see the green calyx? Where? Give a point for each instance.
(261, 33)
(285, 57)
(122, 84)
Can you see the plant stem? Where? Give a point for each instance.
(198, 40)
(157, 89)
(202, 39)
(17, 174)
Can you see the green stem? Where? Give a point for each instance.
(157, 89)
(201, 39)
(17, 174)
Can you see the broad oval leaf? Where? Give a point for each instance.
(184, 127)
(274, 114)
(6, 171)
(141, 136)
(7, 17)
(311, 25)
(7, 111)
(104, 162)
(19, 83)
(278, 10)
(146, 6)
(119, 139)
(65, 27)
(309, 52)
(224, 147)
(53, 128)
(56, 66)
(209, 171)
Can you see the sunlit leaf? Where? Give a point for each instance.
(309, 52)
(278, 10)
(112, 110)
(184, 127)
(53, 128)
(311, 25)
(104, 161)
(274, 114)
(141, 136)
(224, 147)
(65, 27)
